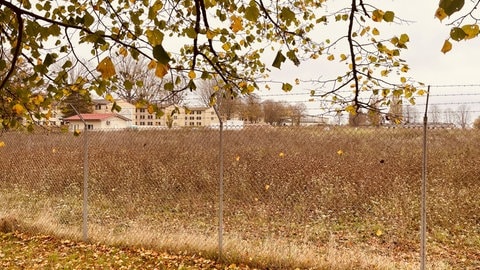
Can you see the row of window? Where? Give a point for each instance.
(159, 124)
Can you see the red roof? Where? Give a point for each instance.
(94, 117)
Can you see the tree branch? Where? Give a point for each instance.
(18, 50)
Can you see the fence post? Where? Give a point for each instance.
(85, 178)
(220, 187)
(423, 226)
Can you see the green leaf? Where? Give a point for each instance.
(155, 37)
(287, 15)
(451, 6)
(389, 16)
(293, 57)
(279, 59)
(160, 54)
(88, 20)
(457, 34)
(287, 87)
(252, 13)
(128, 85)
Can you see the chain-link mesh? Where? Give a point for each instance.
(292, 195)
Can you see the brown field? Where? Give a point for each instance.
(336, 198)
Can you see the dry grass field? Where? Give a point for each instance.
(319, 198)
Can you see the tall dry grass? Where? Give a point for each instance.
(336, 198)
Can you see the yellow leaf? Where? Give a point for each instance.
(350, 109)
(211, 34)
(150, 109)
(226, 46)
(403, 79)
(267, 187)
(343, 57)
(340, 152)
(192, 75)
(471, 30)
(236, 23)
(54, 150)
(421, 92)
(2, 144)
(384, 73)
(123, 52)
(404, 68)
(330, 57)
(237, 158)
(379, 233)
(152, 64)
(440, 14)
(375, 32)
(106, 68)
(281, 154)
(18, 109)
(161, 70)
(447, 46)
(377, 15)
(109, 97)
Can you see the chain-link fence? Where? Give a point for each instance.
(320, 196)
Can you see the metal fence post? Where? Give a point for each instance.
(85, 178)
(423, 226)
(220, 187)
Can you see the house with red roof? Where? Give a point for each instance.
(98, 121)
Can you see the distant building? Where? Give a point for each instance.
(191, 117)
(98, 121)
(104, 106)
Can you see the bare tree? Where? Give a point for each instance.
(273, 112)
(137, 83)
(251, 109)
(213, 93)
(435, 114)
(463, 116)
(297, 112)
(395, 113)
(449, 116)
(410, 114)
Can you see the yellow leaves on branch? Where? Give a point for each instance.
(2, 144)
(106, 68)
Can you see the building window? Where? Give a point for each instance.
(142, 110)
(108, 122)
(192, 117)
(175, 117)
(89, 127)
(192, 123)
(199, 118)
(142, 116)
(199, 112)
(142, 123)
(150, 116)
(98, 107)
(149, 123)
(199, 123)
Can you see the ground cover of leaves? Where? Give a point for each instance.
(23, 251)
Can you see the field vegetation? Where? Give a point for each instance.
(320, 198)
